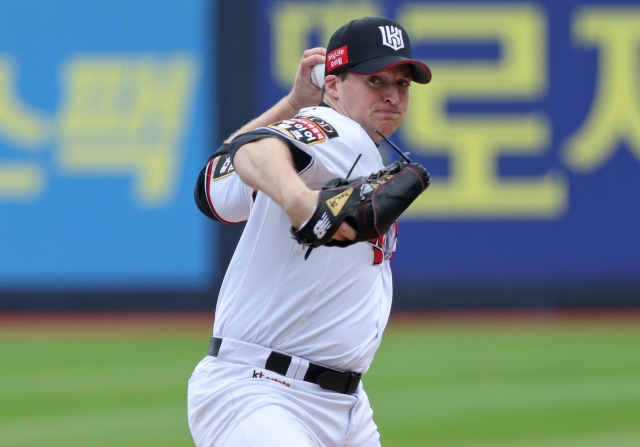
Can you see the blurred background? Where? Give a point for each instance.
(530, 130)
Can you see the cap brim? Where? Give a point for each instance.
(421, 73)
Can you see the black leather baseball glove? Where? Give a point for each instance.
(369, 204)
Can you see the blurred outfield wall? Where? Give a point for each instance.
(530, 130)
(105, 121)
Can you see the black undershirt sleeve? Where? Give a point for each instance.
(199, 192)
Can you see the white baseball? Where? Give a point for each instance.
(317, 75)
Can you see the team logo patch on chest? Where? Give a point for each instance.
(305, 130)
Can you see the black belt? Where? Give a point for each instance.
(327, 378)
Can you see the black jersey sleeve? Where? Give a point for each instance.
(199, 192)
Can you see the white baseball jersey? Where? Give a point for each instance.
(331, 308)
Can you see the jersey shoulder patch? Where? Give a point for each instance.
(224, 167)
(308, 130)
(327, 128)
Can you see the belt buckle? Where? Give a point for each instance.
(354, 381)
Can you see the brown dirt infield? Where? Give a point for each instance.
(200, 323)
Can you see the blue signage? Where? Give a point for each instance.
(530, 130)
(105, 123)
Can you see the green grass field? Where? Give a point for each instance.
(460, 383)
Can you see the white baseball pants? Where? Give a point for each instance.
(234, 405)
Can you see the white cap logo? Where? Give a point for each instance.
(392, 37)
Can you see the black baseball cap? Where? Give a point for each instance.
(370, 45)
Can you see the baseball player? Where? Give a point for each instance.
(294, 329)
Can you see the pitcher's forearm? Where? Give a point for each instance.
(283, 109)
(303, 94)
(266, 165)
